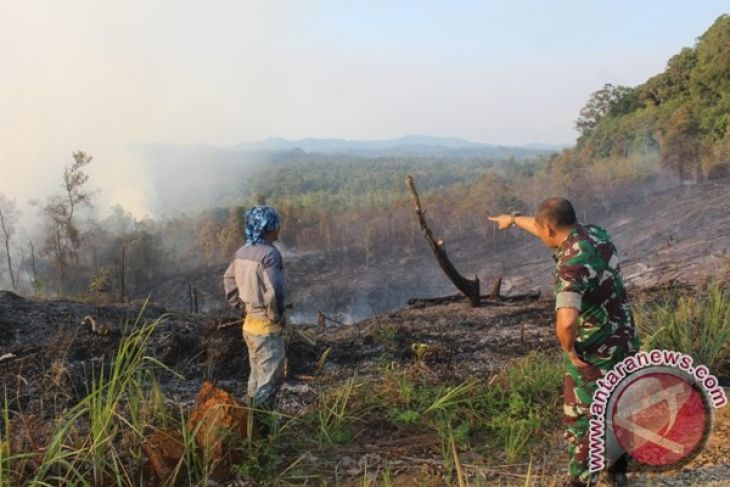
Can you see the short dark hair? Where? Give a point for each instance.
(557, 211)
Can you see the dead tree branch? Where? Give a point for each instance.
(469, 288)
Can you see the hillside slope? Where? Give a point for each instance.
(683, 113)
(422, 350)
(681, 234)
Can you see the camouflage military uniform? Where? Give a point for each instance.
(588, 278)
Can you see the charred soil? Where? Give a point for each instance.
(51, 352)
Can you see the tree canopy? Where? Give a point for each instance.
(681, 113)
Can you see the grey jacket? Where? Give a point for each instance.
(254, 282)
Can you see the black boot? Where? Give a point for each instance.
(617, 472)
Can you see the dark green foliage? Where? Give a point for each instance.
(683, 111)
(343, 182)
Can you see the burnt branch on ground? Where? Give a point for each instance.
(485, 299)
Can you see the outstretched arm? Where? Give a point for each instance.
(526, 223)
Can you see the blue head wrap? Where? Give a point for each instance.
(259, 220)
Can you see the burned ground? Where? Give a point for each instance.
(49, 353)
(47, 346)
(50, 356)
(680, 233)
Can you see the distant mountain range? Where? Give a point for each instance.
(409, 145)
(194, 177)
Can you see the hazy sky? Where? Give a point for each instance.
(100, 75)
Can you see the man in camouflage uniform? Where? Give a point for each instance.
(594, 323)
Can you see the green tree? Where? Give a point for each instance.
(74, 181)
(710, 79)
(610, 99)
(145, 259)
(119, 221)
(673, 82)
(63, 236)
(719, 164)
(680, 142)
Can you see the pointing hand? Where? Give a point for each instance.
(503, 221)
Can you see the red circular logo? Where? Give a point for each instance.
(661, 419)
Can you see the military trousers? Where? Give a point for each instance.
(580, 385)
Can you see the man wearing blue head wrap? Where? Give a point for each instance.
(254, 283)
(259, 221)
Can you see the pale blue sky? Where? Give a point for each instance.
(102, 75)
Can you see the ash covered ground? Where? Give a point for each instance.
(678, 234)
(53, 355)
(50, 353)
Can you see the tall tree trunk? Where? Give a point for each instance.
(122, 284)
(58, 249)
(32, 265)
(6, 237)
(19, 268)
(680, 170)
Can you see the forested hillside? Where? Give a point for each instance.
(681, 115)
(330, 172)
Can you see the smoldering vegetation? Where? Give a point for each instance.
(333, 206)
(351, 242)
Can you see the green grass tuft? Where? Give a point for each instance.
(697, 325)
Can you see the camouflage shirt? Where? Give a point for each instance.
(588, 278)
